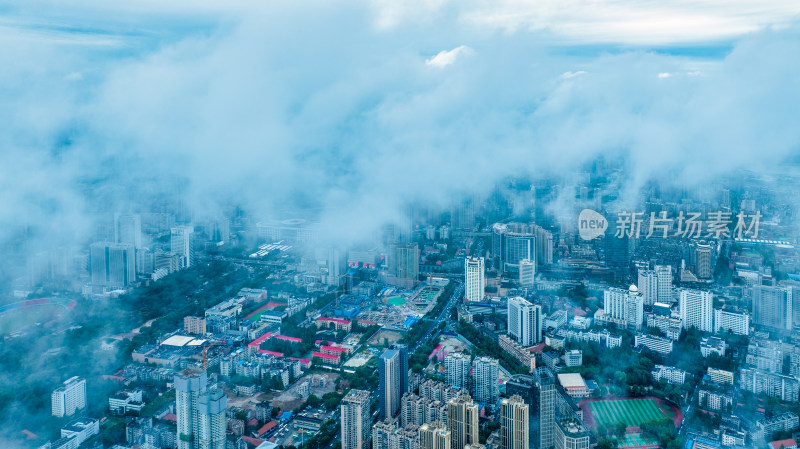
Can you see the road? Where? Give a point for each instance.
(458, 291)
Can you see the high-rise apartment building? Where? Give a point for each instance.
(112, 264)
(546, 399)
(182, 244)
(527, 273)
(703, 264)
(69, 398)
(457, 365)
(393, 379)
(624, 307)
(434, 436)
(648, 286)
(772, 307)
(485, 372)
(462, 421)
(202, 423)
(525, 321)
(474, 282)
(355, 420)
(696, 309)
(514, 425)
(664, 275)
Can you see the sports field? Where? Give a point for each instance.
(632, 412)
(395, 301)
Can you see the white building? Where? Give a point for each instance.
(485, 383)
(182, 244)
(736, 321)
(658, 344)
(713, 345)
(355, 420)
(648, 286)
(69, 398)
(670, 374)
(527, 273)
(664, 275)
(82, 429)
(623, 307)
(696, 309)
(202, 423)
(525, 321)
(474, 282)
(458, 366)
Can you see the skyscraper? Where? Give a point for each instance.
(202, 423)
(403, 264)
(546, 399)
(355, 420)
(474, 283)
(182, 244)
(773, 307)
(457, 366)
(485, 372)
(513, 242)
(112, 264)
(69, 398)
(525, 321)
(434, 436)
(664, 275)
(696, 308)
(527, 273)
(704, 267)
(617, 247)
(514, 431)
(128, 229)
(393, 379)
(648, 286)
(462, 421)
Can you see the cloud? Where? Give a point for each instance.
(338, 115)
(446, 57)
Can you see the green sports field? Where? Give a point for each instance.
(632, 412)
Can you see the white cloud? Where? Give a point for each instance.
(446, 57)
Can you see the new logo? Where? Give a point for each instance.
(591, 224)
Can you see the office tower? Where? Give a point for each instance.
(69, 398)
(527, 273)
(182, 244)
(524, 386)
(474, 282)
(624, 307)
(571, 433)
(664, 275)
(462, 215)
(514, 431)
(202, 422)
(457, 365)
(335, 266)
(434, 436)
(355, 420)
(219, 230)
(485, 372)
(772, 307)
(511, 243)
(696, 309)
(403, 264)
(730, 319)
(128, 229)
(546, 397)
(617, 246)
(112, 264)
(648, 286)
(393, 379)
(525, 321)
(462, 421)
(704, 267)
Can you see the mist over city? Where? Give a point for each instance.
(399, 225)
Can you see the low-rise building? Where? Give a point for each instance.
(671, 374)
(661, 345)
(574, 385)
(713, 345)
